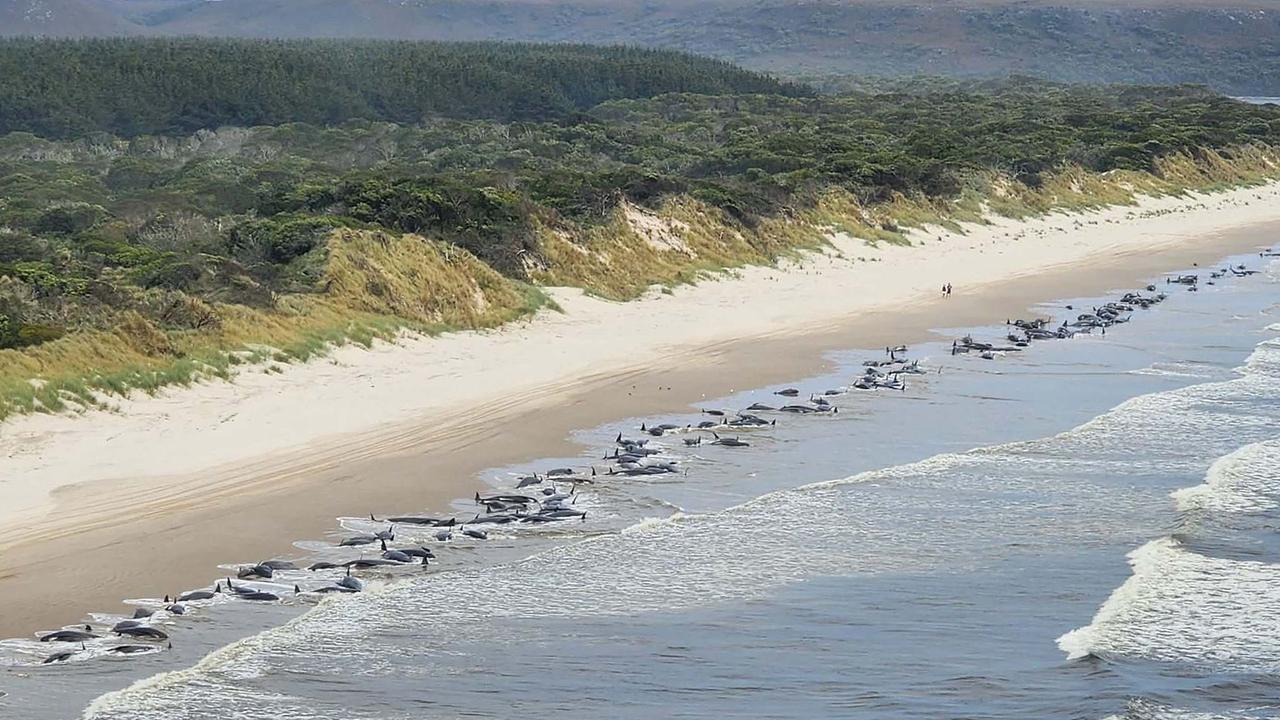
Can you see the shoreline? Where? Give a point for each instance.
(227, 472)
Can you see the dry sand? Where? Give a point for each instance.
(149, 498)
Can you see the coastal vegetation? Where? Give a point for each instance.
(148, 239)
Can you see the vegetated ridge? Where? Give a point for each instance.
(133, 261)
(1233, 46)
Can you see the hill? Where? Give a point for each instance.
(185, 84)
(1232, 46)
(64, 18)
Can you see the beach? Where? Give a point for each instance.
(149, 497)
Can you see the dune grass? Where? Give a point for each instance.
(377, 285)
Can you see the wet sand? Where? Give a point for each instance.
(123, 533)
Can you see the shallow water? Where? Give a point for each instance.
(1082, 530)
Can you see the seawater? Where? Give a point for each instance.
(1083, 530)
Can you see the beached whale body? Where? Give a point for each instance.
(640, 470)
(637, 450)
(142, 631)
(502, 519)
(132, 649)
(414, 520)
(396, 556)
(365, 563)
(68, 636)
(58, 657)
(528, 480)
(562, 513)
(411, 552)
(523, 499)
(200, 594)
(659, 430)
(260, 572)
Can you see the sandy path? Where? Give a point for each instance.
(148, 499)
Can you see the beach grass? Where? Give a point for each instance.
(377, 285)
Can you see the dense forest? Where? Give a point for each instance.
(1232, 46)
(180, 238)
(67, 88)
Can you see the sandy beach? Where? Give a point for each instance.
(149, 497)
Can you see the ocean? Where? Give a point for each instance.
(1084, 529)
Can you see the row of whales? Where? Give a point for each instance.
(540, 498)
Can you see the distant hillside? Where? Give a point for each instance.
(160, 85)
(64, 17)
(1233, 46)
